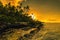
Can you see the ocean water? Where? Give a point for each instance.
(51, 31)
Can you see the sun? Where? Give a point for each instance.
(32, 16)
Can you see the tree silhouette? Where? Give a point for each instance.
(17, 17)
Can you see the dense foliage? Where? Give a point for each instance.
(16, 18)
(10, 14)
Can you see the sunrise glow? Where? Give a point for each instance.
(42, 12)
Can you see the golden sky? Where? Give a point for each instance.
(13, 2)
(44, 10)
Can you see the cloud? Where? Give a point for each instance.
(14, 2)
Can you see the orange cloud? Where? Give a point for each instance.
(13, 2)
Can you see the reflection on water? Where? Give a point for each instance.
(51, 31)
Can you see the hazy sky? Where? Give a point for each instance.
(44, 10)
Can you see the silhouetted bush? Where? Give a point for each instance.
(12, 17)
